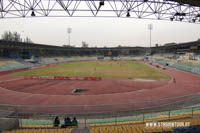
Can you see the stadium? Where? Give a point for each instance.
(108, 90)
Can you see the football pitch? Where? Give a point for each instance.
(105, 69)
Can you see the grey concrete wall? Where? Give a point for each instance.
(8, 124)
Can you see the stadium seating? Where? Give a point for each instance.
(39, 124)
(8, 64)
(175, 114)
(193, 127)
(182, 65)
(137, 124)
(29, 123)
(19, 63)
(138, 128)
(59, 130)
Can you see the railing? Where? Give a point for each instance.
(115, 118)
(188, 67)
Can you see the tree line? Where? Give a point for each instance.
(14, 36)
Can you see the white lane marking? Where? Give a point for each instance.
(10, 80)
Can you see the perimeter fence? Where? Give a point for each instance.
(166, 109)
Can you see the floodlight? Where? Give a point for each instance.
(33, 14)
(101, 3)
(128, 14)
(194, 20)
(181, 18)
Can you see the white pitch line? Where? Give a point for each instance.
(10, 80)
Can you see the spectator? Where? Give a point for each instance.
(74, 122)
(56, 122)
(68, 122)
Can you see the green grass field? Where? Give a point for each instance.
(112, 69)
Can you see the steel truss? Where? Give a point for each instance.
(142, 9)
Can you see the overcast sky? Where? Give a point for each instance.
(101, 32)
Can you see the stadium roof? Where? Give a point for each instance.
(173, 10)
(189, 2)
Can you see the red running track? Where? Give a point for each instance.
(101, 96)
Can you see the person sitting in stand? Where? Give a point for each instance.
(56, 122)
(68, 122)
(74, 122)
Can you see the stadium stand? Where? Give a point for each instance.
(188, 126)
(40, 131)
(129, 124)
(191, 125)
(9, 64)
(139, 124)
(182, 65)
(19, 63)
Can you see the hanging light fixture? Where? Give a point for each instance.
(33, 14)
(128, 13)
(101, 3)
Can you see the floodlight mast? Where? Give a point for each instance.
(150, 27)
(69, 30)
